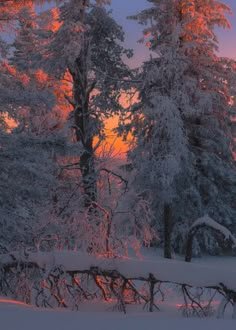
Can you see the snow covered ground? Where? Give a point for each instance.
(19, 317)
(97, 315)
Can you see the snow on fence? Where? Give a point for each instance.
(66, 278)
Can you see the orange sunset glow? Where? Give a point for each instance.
(113, 143)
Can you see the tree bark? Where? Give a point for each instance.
(167, 231)
(83, 127)
(189, 247)
(88, 172)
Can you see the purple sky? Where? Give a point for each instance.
(123, 8)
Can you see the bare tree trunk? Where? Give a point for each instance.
(167, 231)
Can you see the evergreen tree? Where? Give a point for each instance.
(27, 156)
(93, 56)
(183, 155)
(27, 166)
(88, 45)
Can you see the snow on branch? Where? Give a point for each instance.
(207, 222)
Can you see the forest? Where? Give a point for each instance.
(102, 164)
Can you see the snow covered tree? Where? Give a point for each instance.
(183, 157)
(27, 180)
(88, 45)
(94, 59)
(27, 156)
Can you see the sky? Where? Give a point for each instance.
(123, 8)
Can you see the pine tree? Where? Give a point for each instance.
(183, 156)
(27, 156)
(93, 54)
(88, 45)
(27, 166)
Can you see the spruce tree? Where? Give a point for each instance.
(27, 156)
(183, 155)
(88, 45)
